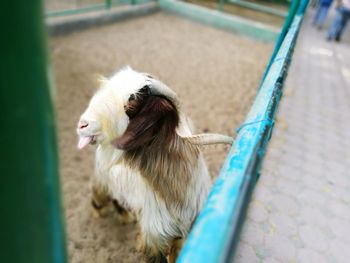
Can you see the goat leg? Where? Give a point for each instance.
(152, 254)
(175, 248)
(100, 202)
(124, 216)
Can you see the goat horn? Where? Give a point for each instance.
(209, 138)
(159, 88)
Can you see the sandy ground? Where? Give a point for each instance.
(214, 73)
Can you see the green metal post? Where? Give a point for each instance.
(31, 220)
(81, 10)
(287, 22)
(108, 4)
(221, 5)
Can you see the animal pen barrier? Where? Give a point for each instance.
(71, 7)
(31, 218)
(258, 7)
(68, 7)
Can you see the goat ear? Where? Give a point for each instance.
(157, 117)
(135, 102)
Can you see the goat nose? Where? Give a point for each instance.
(82, 124)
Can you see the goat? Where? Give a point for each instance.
(147, 159)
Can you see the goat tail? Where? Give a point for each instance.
(208, 139)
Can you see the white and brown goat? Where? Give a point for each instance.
(147, 159)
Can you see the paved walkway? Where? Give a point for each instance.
(300, 211)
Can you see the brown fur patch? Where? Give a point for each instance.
(152, 253)
(175, 248)
(152, 145)
(155, 257)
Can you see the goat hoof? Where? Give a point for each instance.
(100, 211)
(123, 216)
(140, 244)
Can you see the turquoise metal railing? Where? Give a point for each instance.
(31, 218)
(216, 231)
(221, 20)
(253, 6)
(259, 7)
(76, 8)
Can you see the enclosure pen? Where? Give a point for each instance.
(216, 231)
(221, 20)
(258, 7)
(104, 5)
(31, 218)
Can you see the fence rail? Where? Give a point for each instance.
(216, 231)
(66, 7)
(259, 7)
(70, 7)
(33, 220)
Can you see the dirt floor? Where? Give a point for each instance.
(215, 74)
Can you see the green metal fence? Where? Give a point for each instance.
(259, 7)
(71, 7)
(215, 234)
(221, 20)
(31, 218)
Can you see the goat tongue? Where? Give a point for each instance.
(83, 141)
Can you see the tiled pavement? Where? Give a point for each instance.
(300, 210)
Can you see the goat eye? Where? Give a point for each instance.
(132, 97)
(132, 106)
(145, 90)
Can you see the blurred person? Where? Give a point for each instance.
(313, 3)
(340, 21)
(321, 13)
